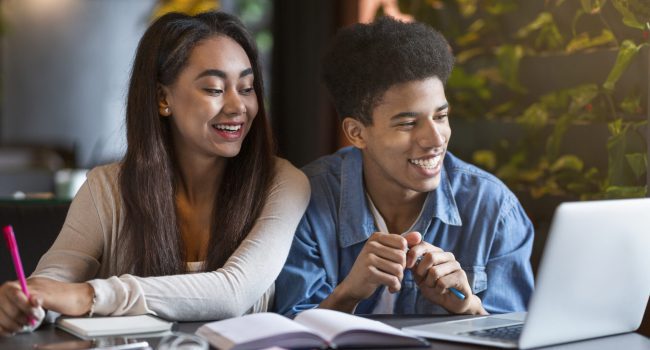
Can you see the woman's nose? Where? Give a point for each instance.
(233, 104)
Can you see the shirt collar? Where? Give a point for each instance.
(356, 222)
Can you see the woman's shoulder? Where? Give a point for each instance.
(104, 178)
(287, 175)
(106, 172)
(284, 169)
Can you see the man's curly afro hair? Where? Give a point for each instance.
(365, 60)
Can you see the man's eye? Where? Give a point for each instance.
(214, 91)
(407, 124)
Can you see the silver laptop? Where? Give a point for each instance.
(593, 281)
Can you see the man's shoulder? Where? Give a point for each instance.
(474, 179)
(329, 166)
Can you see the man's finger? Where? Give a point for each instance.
(390, 267)
(416, 253)
(391, 282)
(444, 269)
(391, 240)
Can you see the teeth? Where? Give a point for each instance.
(227, 127)
(429, 163)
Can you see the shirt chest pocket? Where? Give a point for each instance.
(477, 278)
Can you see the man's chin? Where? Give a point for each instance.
(427, 186)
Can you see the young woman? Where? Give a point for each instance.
(197, 220)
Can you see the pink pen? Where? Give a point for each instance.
(15, 256)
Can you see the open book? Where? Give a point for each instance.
(88, 327)
(316, 328)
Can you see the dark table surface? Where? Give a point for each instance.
(48, 334)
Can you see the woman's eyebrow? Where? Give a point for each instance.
(221, 74)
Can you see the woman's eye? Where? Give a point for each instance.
(441, 116)
(247, 91)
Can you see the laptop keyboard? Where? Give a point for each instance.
(508, 333)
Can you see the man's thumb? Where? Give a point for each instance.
(413, 238)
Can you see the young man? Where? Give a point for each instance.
(396, 223)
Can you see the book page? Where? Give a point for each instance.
(330, 323)
(261, 329)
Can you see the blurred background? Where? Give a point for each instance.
(552, 96)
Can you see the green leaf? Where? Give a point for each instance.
(543, 19)
(509, 57)
(554, 141)
(632, 104)
(626, 191)
(630, 140)
(625, 55)
(459, 81)
(615, 127)
(583, 41)
(567, 162)
(629, 19)
(574, 22)
(592, 7)
(550, 187)
(472, 34)
(503, 108)
(534, 117)
(581, 96)
(549, 37)
(466, 55)
(467, 8)
(501, 7)
(485, 158)
(616, 159)
(638, 162)
(556, 100)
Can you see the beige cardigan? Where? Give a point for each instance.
(86, 247)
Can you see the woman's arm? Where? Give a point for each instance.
(76, 253)
(74, 257)
(234, 288)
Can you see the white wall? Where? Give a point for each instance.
(65, 69)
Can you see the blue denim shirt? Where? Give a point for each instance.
(471, 214)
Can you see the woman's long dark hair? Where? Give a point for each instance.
(151, 234)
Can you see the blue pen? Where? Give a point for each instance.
(457, 293)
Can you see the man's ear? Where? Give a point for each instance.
(354, 130)
(164, 109)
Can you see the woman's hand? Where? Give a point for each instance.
(15, 309)
(72, 299)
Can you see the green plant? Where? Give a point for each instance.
(492, 39)
(190, 7)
